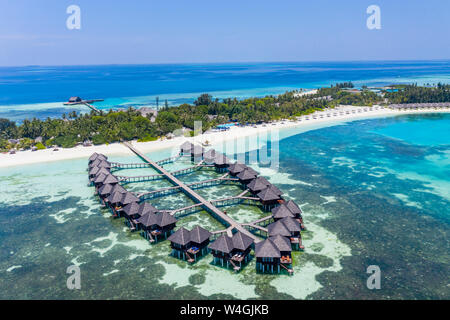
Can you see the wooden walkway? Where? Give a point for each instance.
(208, 206)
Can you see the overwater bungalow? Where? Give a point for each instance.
(257, 185)
(145, 208)
(145, 223)
(105, 190)
(236, 168)
(221, 250)
(285, 248)
(281, 211)
(221, 162)
(209, 156)
(128, 198)
(275, 190)
(247, 175)
(186, 147)
(267, 256)
(165, 223)
(95, 171)
(278, 228)
(242, 246)
(131, 213)
(199, 242)
(295, 209)
(268, 199)
(114, 201)
(180, 241)
(294, 228)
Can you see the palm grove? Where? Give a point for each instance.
(113, 126)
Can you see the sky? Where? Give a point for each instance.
(199, 31)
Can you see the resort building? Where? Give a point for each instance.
(221, 162)
(257, 185)
(268, 198)
(190, 245)
(273, 255)
(186, 147)
(247, 175)
(231, 251)
(156, 226)
(295, 209)
(236, 168)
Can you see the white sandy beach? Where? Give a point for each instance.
(337, 115)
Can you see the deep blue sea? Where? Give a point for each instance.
(37, 91)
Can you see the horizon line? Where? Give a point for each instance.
(222, 62)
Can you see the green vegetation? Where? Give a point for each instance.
(113, 126)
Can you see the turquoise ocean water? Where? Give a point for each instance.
(37, 91)
(373, 192)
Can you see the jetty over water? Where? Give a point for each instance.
(208, 206)
(231, 246)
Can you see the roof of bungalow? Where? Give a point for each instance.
(93, 156)
(164, 219)
(223, 244)
(94, 170)
(267, 195)
(145, 208)
(119, 189)
(282, 243)
(278, 228)
(295, 209)
(101, 156)
(129, 197)
(105, 189)
(241, 241)
(246, 175)
(258, 184)
(267, 249)
(236, 167)
(198, 234)
(101, 170)
(186, 146)
(211, 153)
(148, 219)
(131, 208)
(110, 179)
(291, 224)
(100, 178)
(221, 160)
(181, 237)
(95, 163)
(103, 164)
(281, 211)
(275, 190)
(115, 197)
(197, 150)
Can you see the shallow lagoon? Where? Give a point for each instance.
(369, 197)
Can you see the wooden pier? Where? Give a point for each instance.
(208, 206)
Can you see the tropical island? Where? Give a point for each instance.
(147, 124)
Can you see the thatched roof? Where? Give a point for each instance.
(100, 178)
(131, 209)
(105, 189)
(105, 171)
(281, 212)
(110, 179)
(103, 164)
(275, 190)
(95, 170)
(198, 234)
(246, 175)
(267, 195)
(295, 209)
(186, 146)
(278, 228)
(115, 197)
(145, 208)
(221, 160)
(236, 168)
(181, 237)
(148, 219)
(164, 219)
(267, 249)
(93, 157)
(291, 224)
(118, 188)
(241, 241)
(223, 244)
(258, 184)
(282, 243)
(197, 150)
(129, 197)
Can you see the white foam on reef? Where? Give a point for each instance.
(67, 249)
(112, 238)
(405, 199)
(176, 275)
(61, 216)
(75, 261)
(345, 162)
(303, 282)
(111, 272)
(13, 268)
(218, 281)
(276, 177)
(329, 199)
